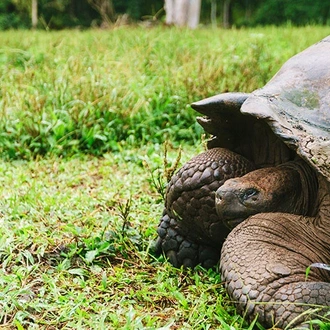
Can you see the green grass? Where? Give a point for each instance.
(97, 91)
(74, 250)
(75, 229)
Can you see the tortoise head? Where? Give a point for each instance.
(273, 189)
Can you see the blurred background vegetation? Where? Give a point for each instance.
(59, 14)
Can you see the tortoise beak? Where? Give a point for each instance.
(229, 207)
(225, 201)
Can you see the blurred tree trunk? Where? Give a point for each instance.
(183, 12)
(226, 14)
(34, 14)
(248, 10)
(214, 13)
(170, 11)
(181, 8)
(194, 13)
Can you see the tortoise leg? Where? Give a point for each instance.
(264, 262)
(180, 250)
(295, 303)
(190, 232)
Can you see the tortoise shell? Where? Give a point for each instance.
(295, 104)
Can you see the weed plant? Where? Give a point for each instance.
(97, 91)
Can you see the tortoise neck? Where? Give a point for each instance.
(307, 190)
(323, 215)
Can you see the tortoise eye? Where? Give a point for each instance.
(249, 193)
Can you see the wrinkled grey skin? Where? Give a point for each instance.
(264, 258)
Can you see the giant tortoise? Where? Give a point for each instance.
(261, 195)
